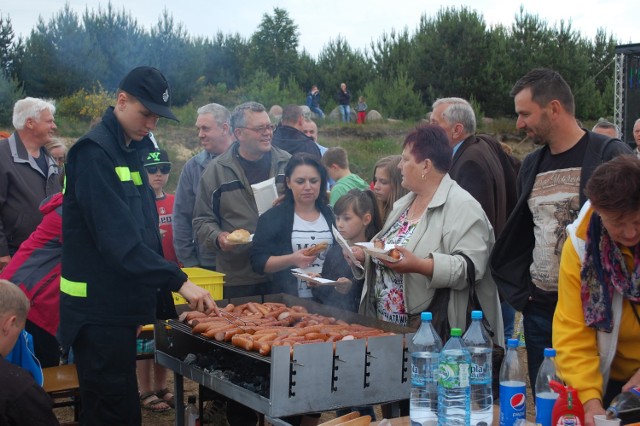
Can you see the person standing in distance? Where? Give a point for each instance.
(215, 137)
(114, 276)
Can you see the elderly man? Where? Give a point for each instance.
(479, 164)
(22, 400)
(526, 257)
(214, 132)
(606, 128)
(225, 203)
(114, 276)
(28, 174)
(289, 135)
(636, 137)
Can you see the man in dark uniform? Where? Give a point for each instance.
(114, 276)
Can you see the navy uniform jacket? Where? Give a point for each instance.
(112, 265)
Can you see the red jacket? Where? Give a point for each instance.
(36, 267)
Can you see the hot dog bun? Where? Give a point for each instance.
(317, 249)
(239, 236)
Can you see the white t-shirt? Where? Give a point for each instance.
(308, 234)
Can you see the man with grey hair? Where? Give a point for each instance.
(225, 201)
(214, 132)
(607, 128)
(289, 135)
(28, 173)
(479, 164)
(22, 400)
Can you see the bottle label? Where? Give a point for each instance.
(544, 407)
(480, 373)
(568, 420)
(454, 375)
(513, 403)
(636, 391)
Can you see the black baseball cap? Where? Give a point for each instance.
(151, 88)
(156, 158)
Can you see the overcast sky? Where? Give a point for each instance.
(359, 22)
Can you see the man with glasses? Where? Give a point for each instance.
(225, 201)
(214, 132)
(114, 276)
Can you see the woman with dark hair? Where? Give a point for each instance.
(303, 220)
(436, 227)
(387, 183)
(597, 320)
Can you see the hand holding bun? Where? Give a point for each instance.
(239, 236)
(315, 250)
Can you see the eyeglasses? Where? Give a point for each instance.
(154, 169)
(261, 129)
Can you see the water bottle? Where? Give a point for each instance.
(513, 392)
(425, 350)
(454, 392)
(545, 396)
(480, 346)
(626, 406)
(191, 413)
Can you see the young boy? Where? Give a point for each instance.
(337, 163)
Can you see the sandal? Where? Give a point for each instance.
(163, 394)
(150, 402)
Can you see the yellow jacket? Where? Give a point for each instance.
(576, 344)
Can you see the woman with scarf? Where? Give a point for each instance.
(596, 327)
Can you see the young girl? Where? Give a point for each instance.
(357, 220)
(362, 110)
(387, 184)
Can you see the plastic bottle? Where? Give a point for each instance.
(513, 391)
(425, 352)
(191, 413)
(545, 395)
(625, 406)
(568, 410)
(480, 347)
(454, 390)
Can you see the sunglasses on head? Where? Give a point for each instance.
(164, 169)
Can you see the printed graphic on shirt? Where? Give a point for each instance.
(389, 285)
(308, 234)
(554, 204)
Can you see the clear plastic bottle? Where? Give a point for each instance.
(625, 406)
(425, 352)
(545, 396)
(513, 390)
(191, 413)
(480, 347)
(454, 390)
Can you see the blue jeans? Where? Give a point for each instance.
(345, 113)
(537, 324)
(508, 318)
(317, 111)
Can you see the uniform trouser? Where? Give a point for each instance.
(105, 358)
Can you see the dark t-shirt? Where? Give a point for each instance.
(41, 161)
(554, 203)
(255, 171)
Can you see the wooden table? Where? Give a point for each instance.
(404, 421)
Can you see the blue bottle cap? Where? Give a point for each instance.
(476, 315)
(456, 332)
(512, 343)
(549, 352)
(426, 316)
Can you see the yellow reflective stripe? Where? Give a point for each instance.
(137, 179)
(126, 175)
(73, 288)
(64, 185)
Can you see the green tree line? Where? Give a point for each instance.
(451, 53)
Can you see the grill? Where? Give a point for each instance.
(315, 378)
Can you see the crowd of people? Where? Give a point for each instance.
(94, 245)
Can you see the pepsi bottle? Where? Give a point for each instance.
(513, 392)
(545, 395)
